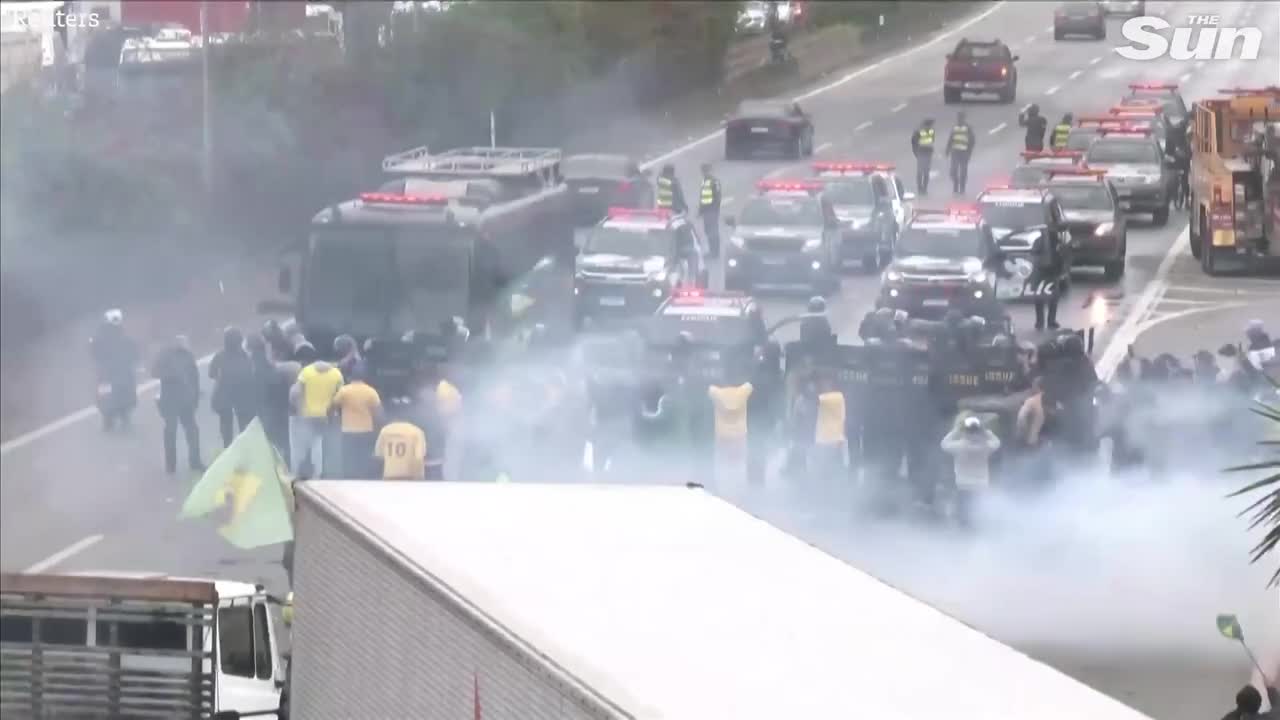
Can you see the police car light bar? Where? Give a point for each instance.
(963, 210)
(1272, 90)
(654, 213)
(1076, 172)
(1137, 112)
(1129, 130)
(687, 294)
(801, 185)
(1152, 86)
(373, 198)
(1034, 154)
(862, 167)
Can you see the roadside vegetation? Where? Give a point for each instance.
(1264, 513)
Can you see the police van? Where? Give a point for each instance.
(632, 260)
(787, 235)
(1020, 219)
(870, 204)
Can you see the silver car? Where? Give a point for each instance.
(1136, 166)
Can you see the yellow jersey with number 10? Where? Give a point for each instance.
(402, 446)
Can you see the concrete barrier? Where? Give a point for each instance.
(21, 57)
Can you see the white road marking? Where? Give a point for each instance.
(997, 128)
(78, 416)
(1118, 344)
(1184, 77)
(1075, 75)
(1030, 38)
(1025, 108)
(86, 413)
(1053, 90)
(863, 126)
(1096, 60)
(934, 173)
(64, 554)
(727, 201)
(778, 172)
(898, 107)
(822, 147)
(1199, 64)
(1047, 30)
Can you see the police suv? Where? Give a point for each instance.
(725, 328)
(630, 263)
(941, 263)
(870, 205)
(1019, 219)
(786, 235)
(1038, 164)
(1097, 224)
(1166, 96)
(1135, 163)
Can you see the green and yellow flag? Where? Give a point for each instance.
(248, 479)
(1229, 626)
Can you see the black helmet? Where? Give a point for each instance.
(1033, 109)
(1072, 344)
(817, 304)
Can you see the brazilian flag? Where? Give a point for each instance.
(250, 484)
(1229, 626)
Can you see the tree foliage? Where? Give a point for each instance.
(1265, 511)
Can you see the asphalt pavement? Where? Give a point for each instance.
(73, 498)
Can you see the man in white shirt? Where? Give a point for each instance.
(971, 445)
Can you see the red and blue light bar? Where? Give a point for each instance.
(792, 185)
(1077, 172)
(1153, 86)
(1045, 154)
(853, 167)
(1136, 112)
(378, 198)
(647, 213)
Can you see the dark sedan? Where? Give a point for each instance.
(599, 182)
(772, 125)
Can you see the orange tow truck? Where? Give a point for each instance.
(1235, 181)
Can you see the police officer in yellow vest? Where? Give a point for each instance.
(709, 208)
(922, 147)
(959, 150)
(669, 194)
(1060, 133)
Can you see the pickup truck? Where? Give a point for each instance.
(976, 67)
(137, 645)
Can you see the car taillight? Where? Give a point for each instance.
(1004, 71)
(624, 186)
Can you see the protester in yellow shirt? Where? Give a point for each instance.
(730, 405)
(402, 447)
(312, 396)
(829, 435)
(359, 409)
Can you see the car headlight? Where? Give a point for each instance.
(812, 243)
(892, 276)
(1148, 179)
(857, 223)
(982, 277)
(659, 277)
(737, 241)
(1104, 229)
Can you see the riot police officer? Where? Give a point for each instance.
(815, 329)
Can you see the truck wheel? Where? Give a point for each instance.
(730, 151)
(1193, 228)
(1206, 250)
(1057, 34)
(797, 150)
(1161, 215)
(1010, 95)
(950, 96)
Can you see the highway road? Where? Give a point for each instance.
(1124, 614)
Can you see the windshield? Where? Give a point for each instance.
(1079, 9)
(978, 52)
(709, 329)
(371, 281)
(593, 166)
(850, 192)
(1007, 214)
(1169, 103)
(782, 211)
(1121, 151)
(953, 242)
(759, 108)
(632, 242)
(1090, 196)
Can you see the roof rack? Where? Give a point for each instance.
(1076, 172)
(852, 167)
(808, 186)
(490, 161)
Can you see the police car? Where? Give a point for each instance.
(1095, 220)
(1163, 94)
(1149, 117)
(1037, 164)
(1136, 165)
(940, 264)
(725, 327)
(870, 205)
(786, 235)
(1020, 218)
(630, 263)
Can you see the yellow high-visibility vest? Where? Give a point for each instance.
(960, 138)
(665, 197)
(1060, 133)
(926, 138)
(708, 196)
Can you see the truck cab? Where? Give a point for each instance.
(142, 645)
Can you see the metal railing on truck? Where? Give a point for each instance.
(472, 161)
(51, 666)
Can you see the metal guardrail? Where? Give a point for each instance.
(21, 56)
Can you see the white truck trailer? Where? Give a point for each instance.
(541, 602)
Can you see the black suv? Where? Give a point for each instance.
(787, 235)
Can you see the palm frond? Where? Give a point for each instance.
(1265, 511)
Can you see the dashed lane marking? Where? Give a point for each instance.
(1075, 75)
(1096, 60)
(1053, 90)
(822, 147)
(1030, 38)
(1184, 77)
(898, 108)
(997, 128)
(862, 126)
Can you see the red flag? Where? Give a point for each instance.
(476, 701)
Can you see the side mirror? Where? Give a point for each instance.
(1015, 58)
(908, 196)
(284, 281)
(730, 221)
